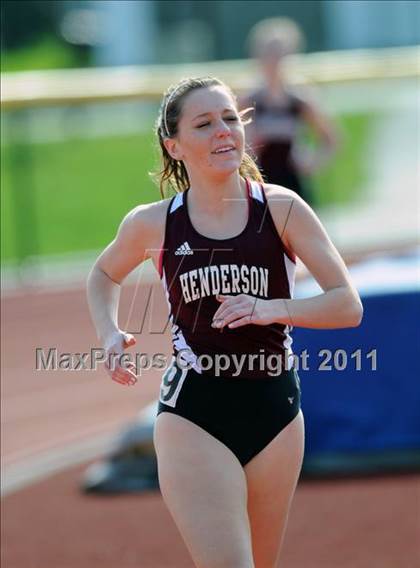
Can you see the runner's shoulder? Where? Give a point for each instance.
(285, 206)
(145, 220)
(280, 194)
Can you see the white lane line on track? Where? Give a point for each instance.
(36, 468)
(58, 274)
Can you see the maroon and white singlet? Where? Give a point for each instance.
(195, 268)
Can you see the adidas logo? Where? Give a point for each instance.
(291, 399)
(184, 249)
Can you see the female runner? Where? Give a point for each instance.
(281, 112)
(229, 434)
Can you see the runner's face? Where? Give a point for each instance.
(210, 137)
(271, 57)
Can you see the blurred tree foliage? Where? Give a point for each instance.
(24, 22)
(31, 38)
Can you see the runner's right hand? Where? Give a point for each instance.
(124, 373)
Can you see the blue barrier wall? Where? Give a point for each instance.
(353, 410)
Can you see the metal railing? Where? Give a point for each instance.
(77, 86)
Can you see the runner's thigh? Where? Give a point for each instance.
(204, 487)
(272, 476)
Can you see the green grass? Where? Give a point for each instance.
(47, 53)
(344, 177)
(81, 189)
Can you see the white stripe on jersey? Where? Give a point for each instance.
(256, 191)
(177, 202)
(178, 339)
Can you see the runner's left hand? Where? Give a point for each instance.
(236, 311)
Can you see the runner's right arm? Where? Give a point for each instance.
(139, 232)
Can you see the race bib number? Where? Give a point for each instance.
(171, 385)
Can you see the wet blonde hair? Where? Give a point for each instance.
(173, 174)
